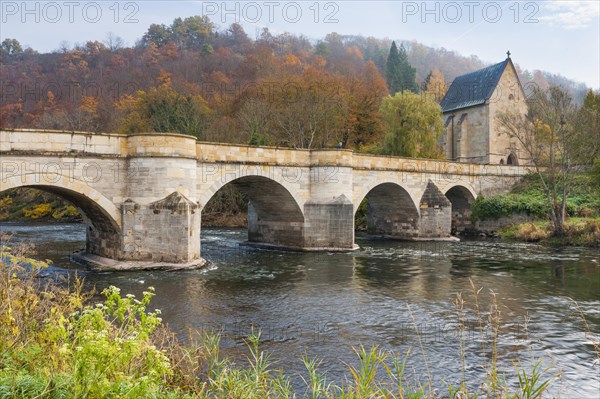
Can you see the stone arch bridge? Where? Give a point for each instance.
(142, 194)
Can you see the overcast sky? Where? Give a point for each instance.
(556, 36)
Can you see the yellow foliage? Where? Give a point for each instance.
(4, 204)
(543, 131)
(291, 59)
(413, 126)
(164, 77)
(66, 211)
(437, 87)
(38, 211)
(151, 55)
(127, 102)
(133, 120)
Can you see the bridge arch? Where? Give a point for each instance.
(102, 217)
(461, 197)
(274, 214)
(222, 178)
(391, 211)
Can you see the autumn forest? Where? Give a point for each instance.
(222, 85)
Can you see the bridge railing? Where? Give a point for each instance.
(183, 146)
(58, 141)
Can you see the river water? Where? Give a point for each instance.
(396, 295)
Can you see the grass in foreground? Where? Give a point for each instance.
(56, 344)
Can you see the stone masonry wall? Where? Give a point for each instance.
(471, 138)
(491, 226)
(508, 96)
(302, 198)
(436, 213)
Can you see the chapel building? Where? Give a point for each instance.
(472, 133)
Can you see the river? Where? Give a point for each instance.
(397, 295)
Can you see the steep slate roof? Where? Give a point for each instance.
(474, 88)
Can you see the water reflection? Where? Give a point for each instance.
(396, 295)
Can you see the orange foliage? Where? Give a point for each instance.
(289, 76)
(291, 59)
(164, 77)
(89, 104)
(152, 55)
(169, 50)
(354, 52)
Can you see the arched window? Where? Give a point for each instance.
(512, 159)
(511, 97)
(501, 161)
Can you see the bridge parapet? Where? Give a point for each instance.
(184, 146)
(419, 165)
(234, 153)
(58, 141)
(161, 145)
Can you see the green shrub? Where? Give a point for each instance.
(534, 205)
(497, 206)
(490, 207)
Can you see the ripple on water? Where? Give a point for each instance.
(397, 295)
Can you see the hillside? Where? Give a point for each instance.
(232, 82)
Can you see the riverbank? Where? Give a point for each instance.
(26, 204)
(57, 341)
(229, 220)
(578, 232)
(522, 214)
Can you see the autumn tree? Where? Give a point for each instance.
(12, 115)
(219, 64)
(164, 110)
(255, 118)
(236, 38)
(412, 125)
(82, 117)
(308, 110)
(558, 142)
(364, 120)
(436, 86)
